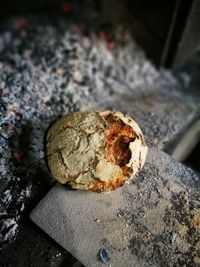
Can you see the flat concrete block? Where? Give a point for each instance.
(153, 221)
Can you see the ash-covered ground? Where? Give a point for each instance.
(49, 67)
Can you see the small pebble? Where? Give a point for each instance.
(104, 255)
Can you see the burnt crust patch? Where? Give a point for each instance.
(119, 136)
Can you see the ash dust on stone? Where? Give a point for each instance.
(164, 216)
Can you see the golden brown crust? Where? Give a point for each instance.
(101, 186)
(96, 151)
(118, 137)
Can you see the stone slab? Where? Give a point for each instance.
(153, 221)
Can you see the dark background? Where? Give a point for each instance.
(157, 25)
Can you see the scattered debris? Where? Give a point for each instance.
(119, 215)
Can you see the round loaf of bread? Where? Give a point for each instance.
(95, 150)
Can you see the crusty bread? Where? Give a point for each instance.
(95, 150)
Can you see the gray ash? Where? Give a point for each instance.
(50, 68)
(163, 214)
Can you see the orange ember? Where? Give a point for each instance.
(66, 7)
(118, 136)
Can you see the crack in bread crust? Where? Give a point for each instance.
(119, 136)
(96, 151)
